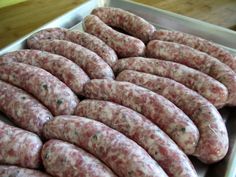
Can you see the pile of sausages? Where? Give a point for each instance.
(102, 103)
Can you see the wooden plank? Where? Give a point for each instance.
(4, 3)
(18, 20)
(219, 12)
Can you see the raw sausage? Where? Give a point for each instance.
(89, 61)
(206, 86)
(131, 23)
(155, 107)
(213, 143)
(141, 130)
(48, 89)
(62, 159)
(14, 171)
(84, 39)
(197, 43)
(19, 147)
(67, 71)
(122, 155)
(124, 45)
(24, 110)
(94, 44)
(198, 60)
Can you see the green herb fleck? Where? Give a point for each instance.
(46, 155)
(23, 97)
(130, 173)
(45, 86)
(95, 137)
(59, 102)
(183, 129)
(76, 133)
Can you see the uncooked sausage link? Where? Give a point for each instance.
(64, 159)
(141, 130)
(193, 58)
(24, 110)
(15, 171)
(213, 143)
(89, 61)
(19, 147)
(131, 23)
(198, 43)
(155, 107)
(65, 70)
(205, 85)
(122, 155)
(124, 45)
(84, 39)
(45, 87)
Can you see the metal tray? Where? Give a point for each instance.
(162, 19)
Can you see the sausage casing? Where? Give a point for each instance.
(142, 131)
(65, 70)
(54, 94)
(205, 85)
(197, 43)
(155, 107)
(122, 155)
(24, 110)
(19, 147)
(124, 45)
(64, 159)
(131, 23)
(214, 142)
(89, 61)
(198, 60)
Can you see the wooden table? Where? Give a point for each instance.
(20, 19)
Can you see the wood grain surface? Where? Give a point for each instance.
(20, 19)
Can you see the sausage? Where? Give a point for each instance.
(131, 23)
(62, 159)
(14, 171)
(45, 87)
(89, 61)
(84, 39)
(67, 71)
(205, 85)
(142, 131)
(198, 60)
(197, 43)
(124, 45)
(214, 142)
(122, 155)
(19, 147)
(153, 106)
(24, 110)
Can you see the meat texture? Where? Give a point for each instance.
(122, 155)
(198, 43)
(214, 142)
(124, 45)
(142, 131)
(24, 110)
(89, 61)
(158, 109)
(65, 70)
(193, 58)
(19, 147)
(84, 39)
(45, 87)
(211, 89)
(15, 171)
(131, 23)
(62, 159)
